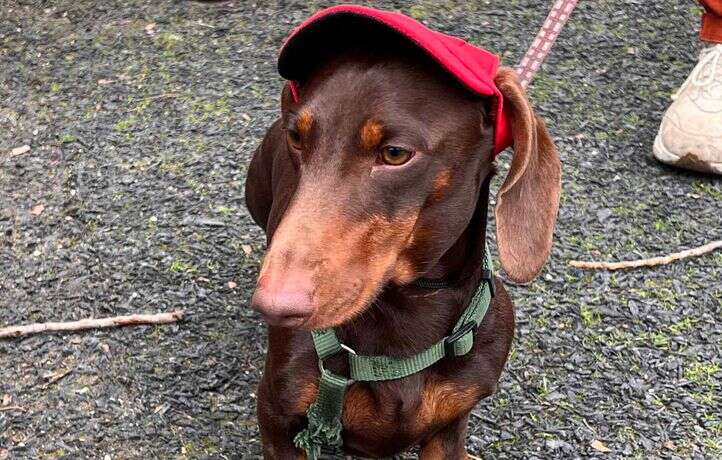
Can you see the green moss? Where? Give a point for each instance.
(68, 138)
(632, 119)
(706, 398)
(152, 226)
(126, 124)
(543, 88)
(682, 326)
(172, 165)
(225, 211)
(418, 12)
(709, 189)
(169, 41)
(703, 373)
(57, 453)
(589, 316)
(662, 224)
(203, 110)
(180, 266)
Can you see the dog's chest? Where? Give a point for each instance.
(397, 413)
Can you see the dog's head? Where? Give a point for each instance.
(390, 154)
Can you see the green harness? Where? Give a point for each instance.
(324, 415)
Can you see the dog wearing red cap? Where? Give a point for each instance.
(386, 323)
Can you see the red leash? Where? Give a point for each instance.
(542, 44)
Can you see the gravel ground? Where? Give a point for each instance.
(141, 118)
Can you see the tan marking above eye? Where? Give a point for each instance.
(371, 134)
(304, 122)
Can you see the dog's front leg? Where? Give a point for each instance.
(447, 444)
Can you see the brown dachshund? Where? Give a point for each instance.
(377, 177)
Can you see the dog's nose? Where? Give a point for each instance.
(285, 302)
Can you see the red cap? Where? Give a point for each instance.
(474, 67)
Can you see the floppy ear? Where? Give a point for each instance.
(259, 183)
(528, 201)
(271, 179)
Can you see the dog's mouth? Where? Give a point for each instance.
(329, 299)
(290, 321)
(326, 282)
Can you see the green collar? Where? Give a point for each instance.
(324, 415)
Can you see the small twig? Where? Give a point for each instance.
(9, 408)
(57, 376)
(130, 320)
(663, 260)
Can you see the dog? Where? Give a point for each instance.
(375, 175)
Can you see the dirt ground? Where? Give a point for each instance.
(141, 118)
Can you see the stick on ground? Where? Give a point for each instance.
(130, 320)
(13, 408)
(663, 260)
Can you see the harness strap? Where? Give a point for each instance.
(324, 415)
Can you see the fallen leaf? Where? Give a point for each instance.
(7, 399)
(247, 249)
(232, 285)
(599, 446)
(670, 445)
(37, 209)
(19, 150)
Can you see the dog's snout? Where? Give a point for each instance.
(285, 302)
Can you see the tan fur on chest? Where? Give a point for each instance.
(364, 412)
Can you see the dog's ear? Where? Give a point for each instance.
(289, 96)
(259, 180)
(528, 201)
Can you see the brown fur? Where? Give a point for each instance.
(362, 234)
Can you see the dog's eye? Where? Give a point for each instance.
(294, 139)
(395, 156)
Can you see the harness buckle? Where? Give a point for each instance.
(342, 348)
(488, 277)
(450, 340)
(347, 349)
